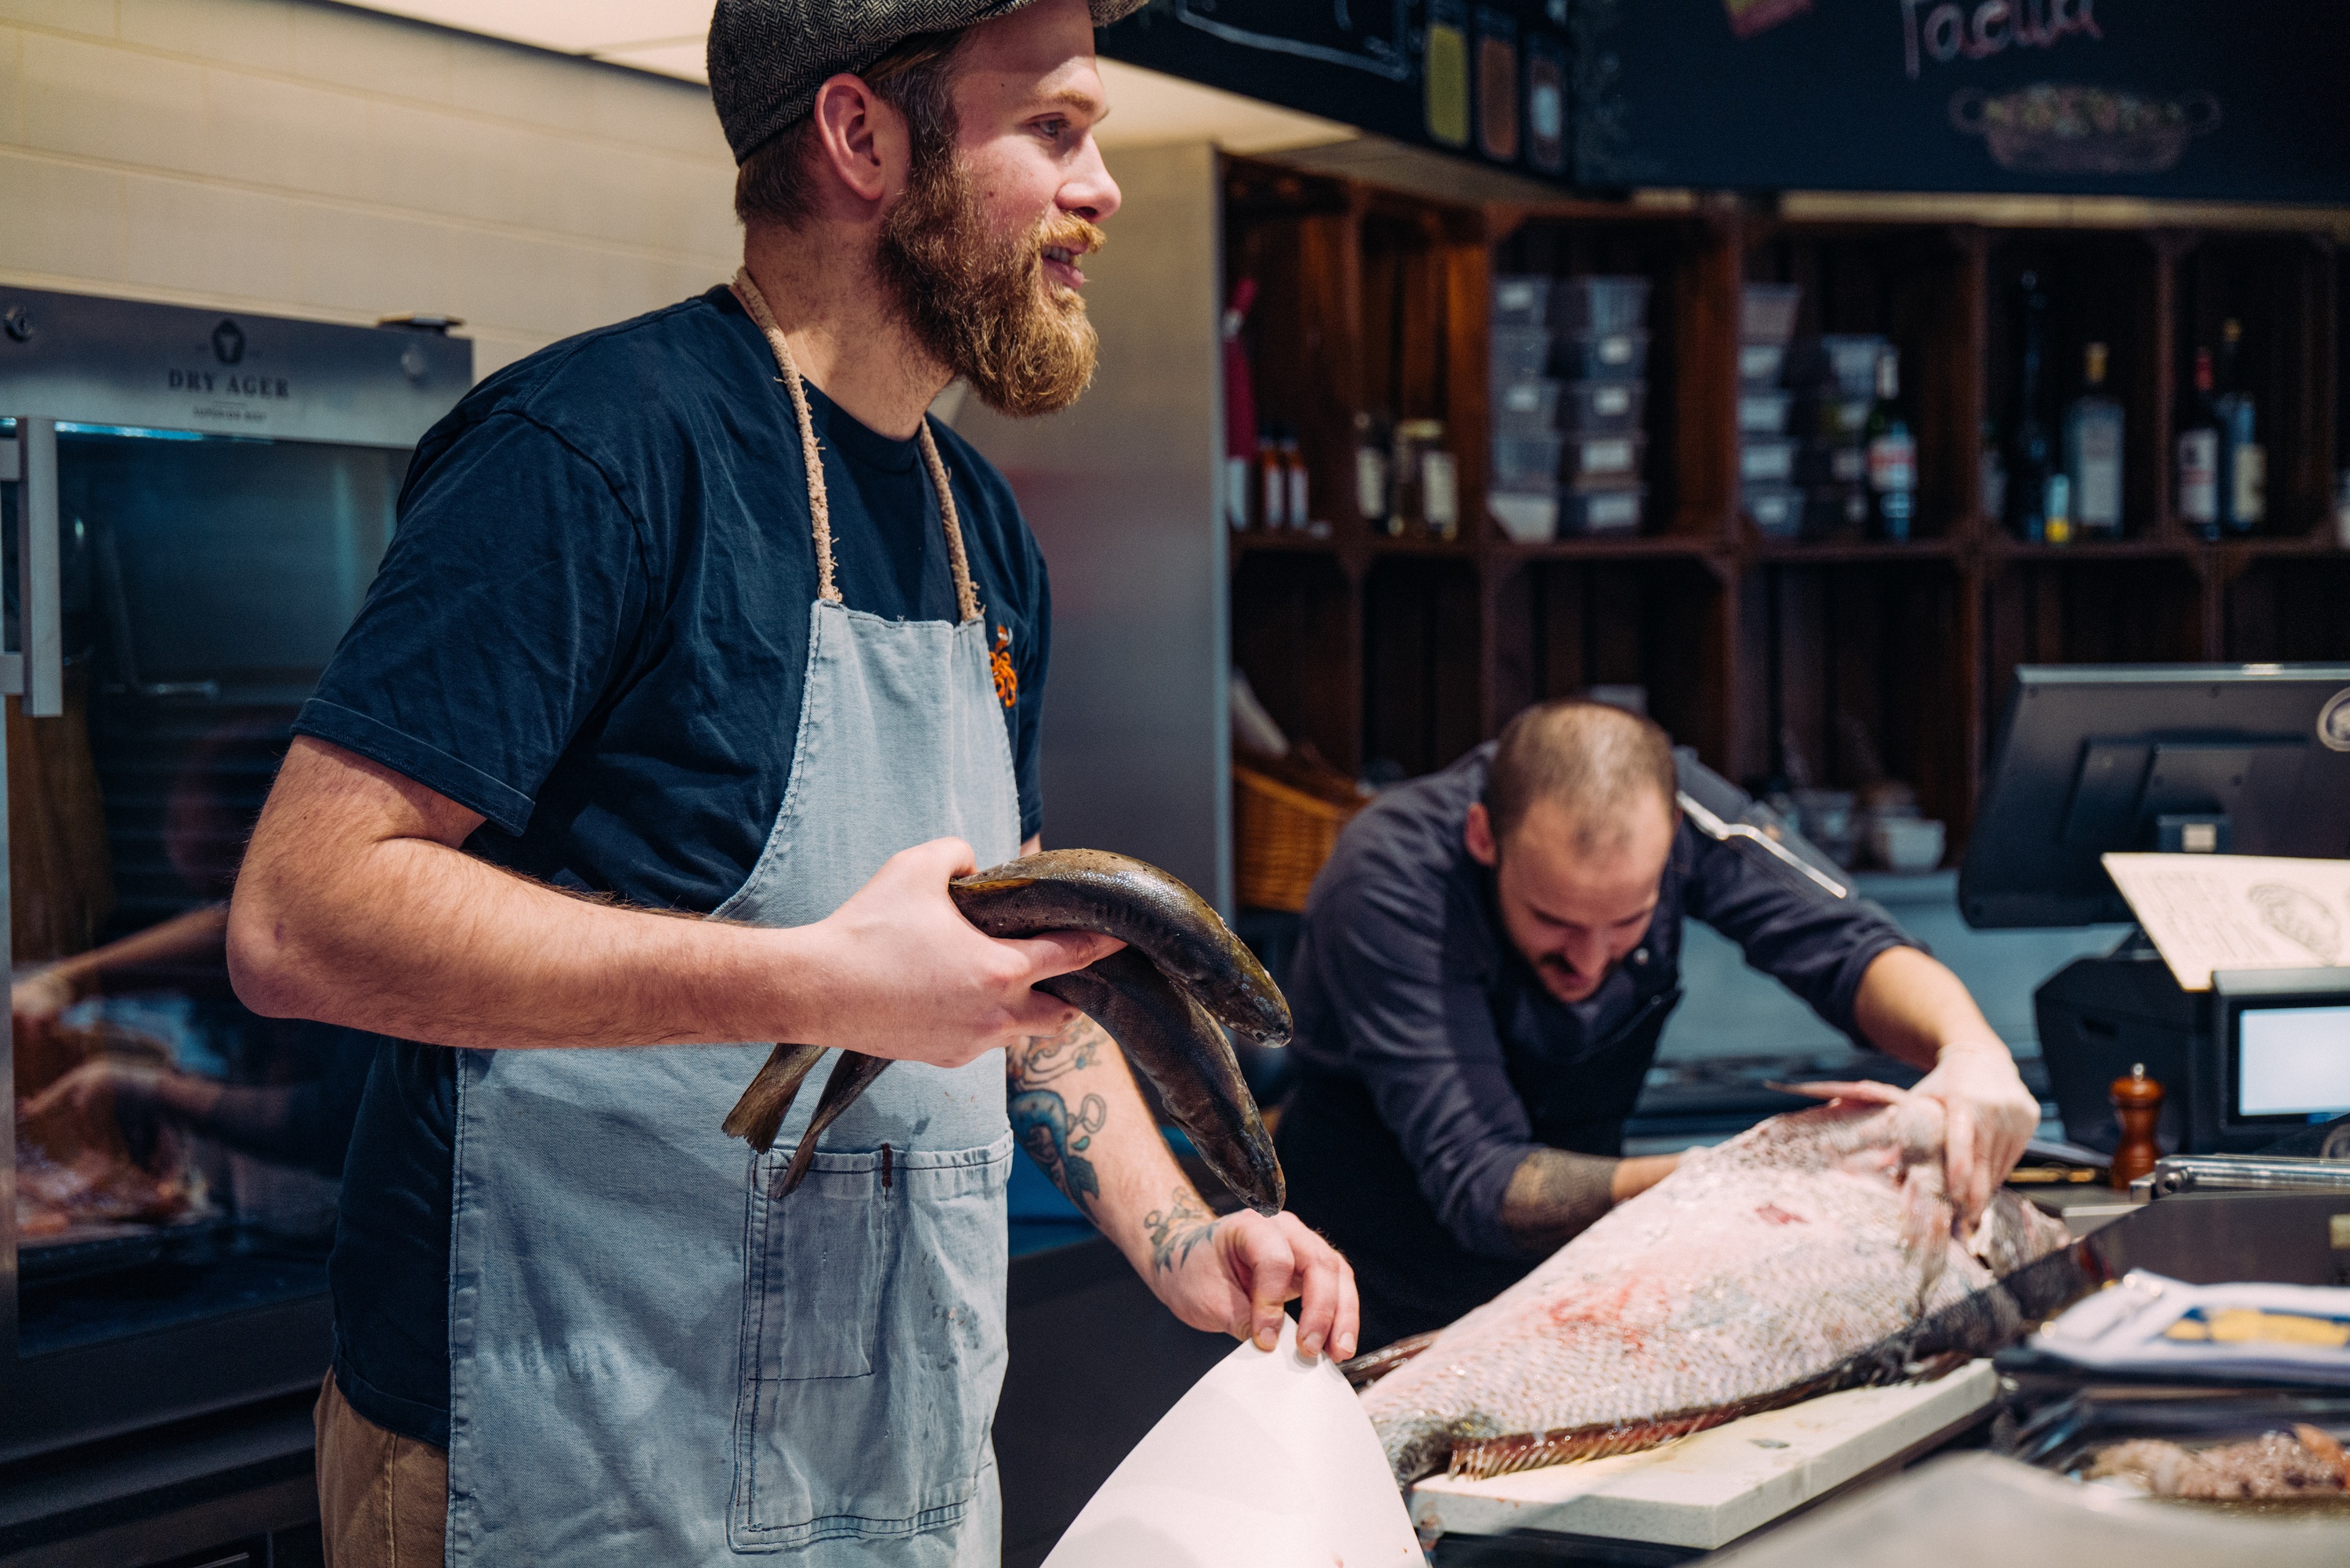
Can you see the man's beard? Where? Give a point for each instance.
(980, 305)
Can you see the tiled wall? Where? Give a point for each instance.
(303, 159)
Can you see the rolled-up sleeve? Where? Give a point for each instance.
(1407, 992)
(1816, 945)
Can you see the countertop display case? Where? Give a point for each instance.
(195, 506)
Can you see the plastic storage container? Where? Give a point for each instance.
(1520, 353)
(1526, 462)
(1528, 406)
(1768, 461)
(1602, 408)
(1760, 364)
(1763, 414)
(1527, 516)
(1766, 311)
(1600, 305)
(1601, 356)
(1523, 300)
(1618, 511)
(1845, 363)
(1588, 460)
(1777, 510)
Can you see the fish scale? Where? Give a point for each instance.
(1759, 1271)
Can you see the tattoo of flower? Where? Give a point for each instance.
(1175, 1229)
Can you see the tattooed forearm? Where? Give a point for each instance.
(1056, 1138)
(1175, 1229)
(1041, 1058)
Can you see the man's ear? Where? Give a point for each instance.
(1476, 835)
(861, 142)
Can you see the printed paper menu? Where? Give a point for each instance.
(2204, 912)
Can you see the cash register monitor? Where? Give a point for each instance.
(2253, 759)
(2285, 1047)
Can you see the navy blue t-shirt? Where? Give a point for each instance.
(592, 628)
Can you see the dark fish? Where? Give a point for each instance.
(1181, 973)
(1117, 896)
(1172, 1041)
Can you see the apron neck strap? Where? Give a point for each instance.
(819, 506)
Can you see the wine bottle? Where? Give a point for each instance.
(1892, 456)
(2199, 454)
(2243, 462)
(2030, 454)
(2093, 452)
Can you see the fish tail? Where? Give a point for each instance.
(849, 1076)
(759, 1114)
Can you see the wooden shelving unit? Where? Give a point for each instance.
(1414, 651)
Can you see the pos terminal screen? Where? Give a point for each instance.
(2294, 1061)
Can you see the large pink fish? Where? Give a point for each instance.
(1797, 1257)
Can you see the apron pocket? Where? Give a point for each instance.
(816, 1263)
(900, 1450)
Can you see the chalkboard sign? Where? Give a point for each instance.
(2232, 100)
(1485, 81)
(2224, 99)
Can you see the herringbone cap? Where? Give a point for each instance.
(767, 58)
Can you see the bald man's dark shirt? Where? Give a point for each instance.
(1432, 1061)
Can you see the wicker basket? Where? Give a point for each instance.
(1284, 835)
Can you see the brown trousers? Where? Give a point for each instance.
(384, 1500)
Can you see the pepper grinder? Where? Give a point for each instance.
(2137, 1105)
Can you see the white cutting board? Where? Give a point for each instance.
(1268, 1461)
(1709, 1489)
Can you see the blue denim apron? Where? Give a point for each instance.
(654, 1358)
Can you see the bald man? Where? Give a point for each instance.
(1487, 964)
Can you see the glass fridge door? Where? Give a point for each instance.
(176, 1155)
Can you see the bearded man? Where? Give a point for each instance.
(695, 615)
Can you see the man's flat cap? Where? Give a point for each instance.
(767, 58)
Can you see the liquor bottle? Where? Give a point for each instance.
(1292, 463)
(2093, 452)
(2243, 464)
(2056, 514)
(1273, 483)
(1372, 455)
(1991, 472)
(1892, 456)
(2199, 454)
(2029, 454)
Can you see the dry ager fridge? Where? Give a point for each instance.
(194, 504)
